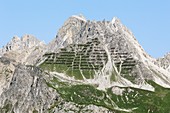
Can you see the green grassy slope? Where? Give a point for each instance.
(141, 101)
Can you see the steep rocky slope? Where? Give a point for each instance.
(90, 67)
(7, 68)
(114, 46)
(26, 91)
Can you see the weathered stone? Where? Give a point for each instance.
(25, 88)
(25, 50)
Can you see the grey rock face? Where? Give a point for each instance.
(16, 44)
(27, 92)
(25, 50)
(72, 32)
(7, 68)
(164, 62)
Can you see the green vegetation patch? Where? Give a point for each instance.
(77, 62)
(61, 68)
(113, 76)
(138, 100)
(7, 108)
(74, 72)
(143, 100)
(89, 74)
(35, 111)
(85, 95)
(81, 94)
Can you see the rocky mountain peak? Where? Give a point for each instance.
(29, 40)
(78, 30)
(26, 49)
(79, 17)
(73, 28)
(164, 62)
(18, 44)
(116, 48)
(15, 39)
(116, 21)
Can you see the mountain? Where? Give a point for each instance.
(89, 67)
(25, 50)
(118, 44)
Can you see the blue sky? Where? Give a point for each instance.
(149, 20)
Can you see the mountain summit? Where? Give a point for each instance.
(91, 67)
(26, 49)
(122, 54)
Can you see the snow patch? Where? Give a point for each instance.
(80, 18)
(114, 20)
(113, 24)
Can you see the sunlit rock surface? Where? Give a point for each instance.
(89, 67)
(25, 50)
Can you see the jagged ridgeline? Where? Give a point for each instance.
(93, 51)
(90, 67)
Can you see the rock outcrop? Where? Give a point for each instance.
(17, 44)
(27, 92)
(25, 50)
(164, 62)
(7, 68)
